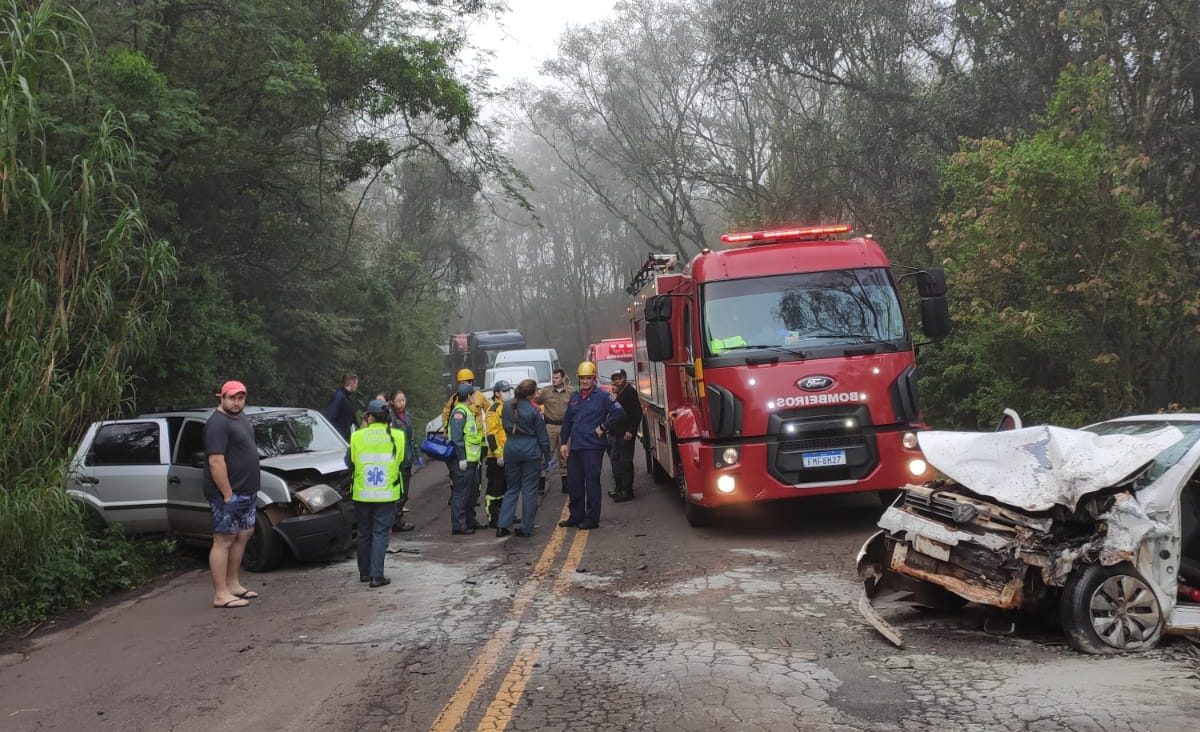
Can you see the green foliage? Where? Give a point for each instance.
(1068, 288)
(83, 278)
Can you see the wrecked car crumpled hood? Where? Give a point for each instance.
(325, 462)
(1035, 468)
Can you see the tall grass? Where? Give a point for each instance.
(81, 281)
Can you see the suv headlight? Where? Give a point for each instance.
(318, 497)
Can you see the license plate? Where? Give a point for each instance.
(824, 459)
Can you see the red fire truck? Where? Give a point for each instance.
(779, 366)
(610, 354)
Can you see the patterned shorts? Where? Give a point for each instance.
(234, 516)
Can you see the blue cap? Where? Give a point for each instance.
(502, 385)
(464, 390)
(377, 406)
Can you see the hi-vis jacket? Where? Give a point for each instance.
(465, 434)
(477, 402)
(376, 453)
(494, 430)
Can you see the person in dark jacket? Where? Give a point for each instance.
(340, 410)
(591, 415)
(623, 440)
(526, 451)
(402, 420)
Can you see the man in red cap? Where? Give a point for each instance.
(231, 483)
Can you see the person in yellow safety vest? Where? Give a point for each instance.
(375, 455)
(467, 437)
(495, 436)
(478, 401)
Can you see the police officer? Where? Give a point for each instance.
(495, 437)
(554, 399)
(375, 455)
(590, 416)
(467, 437)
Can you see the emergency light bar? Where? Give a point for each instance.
(775, 236)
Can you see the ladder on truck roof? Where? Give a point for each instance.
(655, 265)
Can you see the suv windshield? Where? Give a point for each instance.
(804, 311)
(293, 431)
(1166, 458)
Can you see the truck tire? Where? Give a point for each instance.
(1110, 610)
(264, 552)
(698, 516)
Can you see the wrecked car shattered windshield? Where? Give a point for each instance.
(293, 431)
(1165, 459)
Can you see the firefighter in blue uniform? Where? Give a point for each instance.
(590, 415)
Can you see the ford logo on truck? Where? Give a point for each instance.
(815, 383)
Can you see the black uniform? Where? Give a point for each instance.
(620, 450)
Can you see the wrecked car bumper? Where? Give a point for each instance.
(318, 535)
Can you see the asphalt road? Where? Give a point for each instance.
(644, 624)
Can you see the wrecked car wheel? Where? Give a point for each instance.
(1110, 610)
(264, 551)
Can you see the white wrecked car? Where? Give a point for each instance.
(1104, 520)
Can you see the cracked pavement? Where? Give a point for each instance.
(643, 624)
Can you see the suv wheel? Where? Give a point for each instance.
(264, 552)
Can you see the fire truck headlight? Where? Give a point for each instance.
(917, 467)
(730, 456)
(909, 440)
(726, 484)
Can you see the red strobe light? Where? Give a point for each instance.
(772, 236)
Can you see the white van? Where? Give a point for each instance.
(544, 360)
(512, 374)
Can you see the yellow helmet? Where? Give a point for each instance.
(465, 375)
(587, 368)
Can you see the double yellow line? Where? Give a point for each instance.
(499, 711)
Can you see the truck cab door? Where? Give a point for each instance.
(121, 470)
(188, 511)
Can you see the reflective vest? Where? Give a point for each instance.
(716, 345)
(496, 436)
(472, 435)
(377, 454)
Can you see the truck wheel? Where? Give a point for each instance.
(697, 516)
(1110, 610)
(265, 550)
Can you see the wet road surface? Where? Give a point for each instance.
(644, 624)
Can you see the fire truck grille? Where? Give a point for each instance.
(823, 443)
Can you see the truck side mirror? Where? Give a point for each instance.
(658, 341)
(658, 308)
(932, 282)
(935, 317)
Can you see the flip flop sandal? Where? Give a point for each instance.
(246, 594)
(231, 605)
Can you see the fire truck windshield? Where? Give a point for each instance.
(803, 313)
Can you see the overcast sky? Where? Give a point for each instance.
(528, 34)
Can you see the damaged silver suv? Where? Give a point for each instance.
(146, 475)
(1103, 521)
